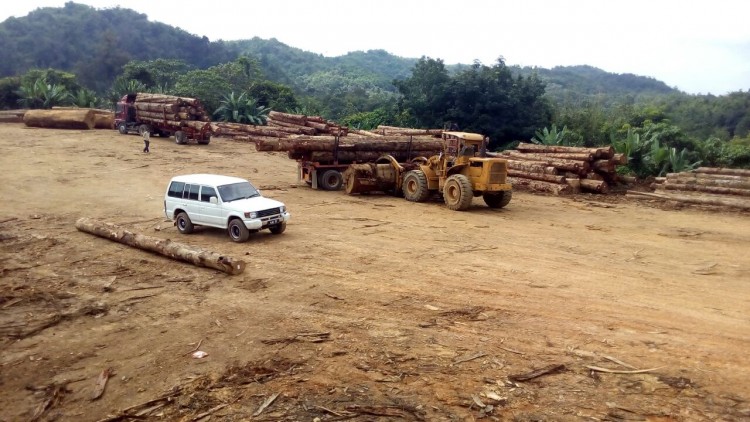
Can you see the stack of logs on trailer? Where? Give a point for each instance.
(703, 186)
(561, 169)
(175, 111)
(311, 138)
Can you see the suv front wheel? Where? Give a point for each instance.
(237, 230)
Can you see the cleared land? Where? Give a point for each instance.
(366, 308)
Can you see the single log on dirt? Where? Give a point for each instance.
(104, 121)
(599, 186)
(705, 199)
(60, 119)
(166, 247)
(719, 190)
(536, 176)
(12, 116)
(540, 186)
(598, 152)
(721, 170)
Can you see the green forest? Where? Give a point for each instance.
(79, 55)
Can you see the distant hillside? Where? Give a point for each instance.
(567, 84)
(95, 44)
(310, 72)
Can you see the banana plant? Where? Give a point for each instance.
(680, 162)
(550, 136)
(242, 109)
(40, 94)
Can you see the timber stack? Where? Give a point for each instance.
(312, 138)
(562, 169)
(176, 111)
(703, 186)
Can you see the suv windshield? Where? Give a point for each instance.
(237, 191)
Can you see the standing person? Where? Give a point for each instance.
(146, 140)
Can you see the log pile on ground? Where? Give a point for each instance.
(82, 118)
(312, 138)
(561, 169)
(170, 109)
(12, 116)
(703, 186)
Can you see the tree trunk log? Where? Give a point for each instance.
(720, 170)
(104, 121)
(670, 185)
(738, 182)
(166, 247)
(327, 143)
(599, 152)
(599, 186)
(170, 108)
(536, 176)
(700, 200)
(529, 166)
(356, 156)
(60, 119)
(540, 186)
(580, 167)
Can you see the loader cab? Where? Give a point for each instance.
(460, 147)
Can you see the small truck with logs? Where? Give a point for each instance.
(460, 172)
(163, 115)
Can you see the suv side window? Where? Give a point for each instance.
(175, 189)
(192, 191)
(206, 193)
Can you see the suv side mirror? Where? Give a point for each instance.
(213, 200)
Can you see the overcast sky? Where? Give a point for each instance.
(697, 46)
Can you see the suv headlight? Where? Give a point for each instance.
(251, 214)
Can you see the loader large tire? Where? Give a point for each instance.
(415, 186)
(497, 200)
(458, 193)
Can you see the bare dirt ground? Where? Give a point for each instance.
(367, 308)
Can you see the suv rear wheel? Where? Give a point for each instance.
(184, 225)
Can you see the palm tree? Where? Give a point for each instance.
(550, 136)
(86, 98)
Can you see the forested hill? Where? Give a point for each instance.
(94, 44)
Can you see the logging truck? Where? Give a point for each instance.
(163, 115)
(460, 172)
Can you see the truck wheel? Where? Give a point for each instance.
(143, 129)
(237, 231)
(180, 138)
(279, 228)
(184, 225)
(457, 192)
(122, 128)
(497, 200)
(331, 180)
(415, 186)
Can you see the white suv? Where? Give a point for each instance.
(224, 202)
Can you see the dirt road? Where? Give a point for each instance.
(366, 308)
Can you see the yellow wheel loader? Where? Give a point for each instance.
(460, 172)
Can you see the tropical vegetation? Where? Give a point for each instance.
(78, 55)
